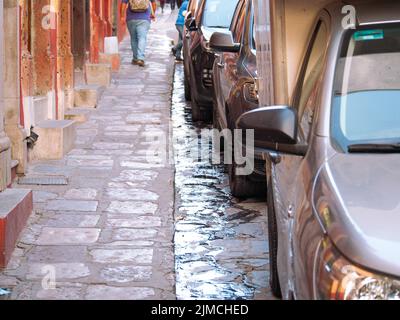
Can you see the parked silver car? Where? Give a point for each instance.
(334, 169)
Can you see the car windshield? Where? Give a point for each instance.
(366, 102)
(219, 13)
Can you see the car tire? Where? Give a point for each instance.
(273, 243)
(244, 186)
(187, 90)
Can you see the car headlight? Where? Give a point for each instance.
(338, 279)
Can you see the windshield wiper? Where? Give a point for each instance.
(374, 148)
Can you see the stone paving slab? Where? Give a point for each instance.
(108, 233)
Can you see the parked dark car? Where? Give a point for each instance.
(211, 16)
(333, 203)
(234, 78)
(187, 40)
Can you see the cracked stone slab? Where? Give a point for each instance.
(73, 221)
(61, 271)
(130, 244)
(125, 274)
(123, 128)
(113, 152)
(101, 292)
(111, 146)
(134, 207)
(68, 236)
(81, 194)
(134, 234)
(117, 134)
(63, 293)
(136, 175)
(138, 256)
(125, 185)
(52, 254)
(144, 118)
(141, 165)
(138, 222)
(87, 132)
(131, 194)
(90, 163)
(72, 205)
(43, 196)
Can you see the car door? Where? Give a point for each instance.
(192, 9)
(228, 63)
(188, 36)
(243, 95)
(290, 174)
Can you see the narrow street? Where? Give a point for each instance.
(221, 246)
(119, 220)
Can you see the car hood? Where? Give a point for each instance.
(357, 198)
(207, 31)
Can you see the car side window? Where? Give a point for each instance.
(238, 34)
(235, 20)
(307, 91)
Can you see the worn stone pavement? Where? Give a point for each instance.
(108, 234)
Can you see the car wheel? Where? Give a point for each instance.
(187, 87)
(244, 186)
(273, 243)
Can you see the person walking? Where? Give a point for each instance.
(138, 16)
(180, 21)
(162, 5)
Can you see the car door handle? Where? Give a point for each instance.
(275, 158)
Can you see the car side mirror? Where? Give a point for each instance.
(275, 128)
(190, 24)
(223, 41)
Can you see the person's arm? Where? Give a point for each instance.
(153, 7)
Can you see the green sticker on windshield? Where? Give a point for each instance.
(366, 35)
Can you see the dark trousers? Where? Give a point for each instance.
(179, 45)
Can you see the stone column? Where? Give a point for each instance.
(5, 145)
(44, 61)
(79, 26)
(12, 84)
(66, 61)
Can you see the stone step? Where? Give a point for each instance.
(56, 139)
(14, 165)
(16, 206)
(40, 109)
(79, 115)
(98, 74)
(87, 96)
(113, 59)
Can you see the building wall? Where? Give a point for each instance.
(5, 145)
(46, 41)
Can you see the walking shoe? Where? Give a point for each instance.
(134, 62)
(173, 50)
(178, 58)
(140, 63)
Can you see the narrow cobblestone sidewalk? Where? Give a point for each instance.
(108, 234)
